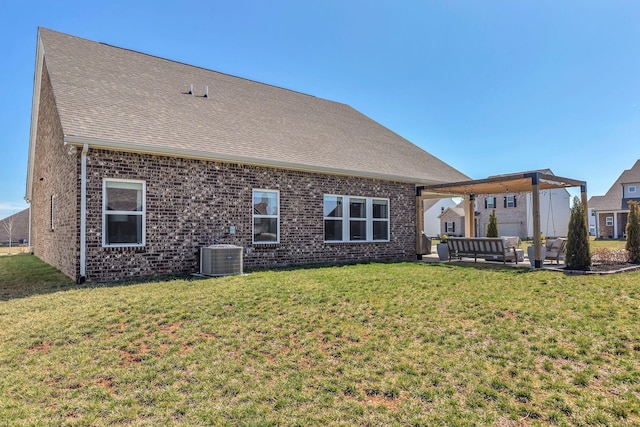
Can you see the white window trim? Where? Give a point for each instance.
(368, 218)
(606, 221)
(142, 213)
(254, 216)
(632, 189)
(492, 204)
(511, 203)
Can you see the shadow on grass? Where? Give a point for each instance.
(26, 275)
(497, 266)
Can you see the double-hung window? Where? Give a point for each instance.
(266, 216)
(609, 221)
(123, 212)
(380, 219)
(355, 219)
(490, 203)
(510, 202)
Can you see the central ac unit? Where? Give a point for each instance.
(221, 260)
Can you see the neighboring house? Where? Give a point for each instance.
(18, 225)
(611, 211)
(452, 221)
(514, 213)
(136, 162)
(432, 210)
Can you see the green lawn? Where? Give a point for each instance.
(381, 344)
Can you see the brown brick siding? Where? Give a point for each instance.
(192, 203)
(515, 217)
(55, 173)
(607, 231)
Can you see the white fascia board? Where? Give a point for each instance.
(103, 144)
(35, 107)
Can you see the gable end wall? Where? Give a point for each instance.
(54, 173)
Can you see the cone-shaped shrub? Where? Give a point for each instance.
(492, 228)
(578, 256)
(633, 233)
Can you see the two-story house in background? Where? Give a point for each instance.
(514, 214)
(612, 210)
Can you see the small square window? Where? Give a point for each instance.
(632, 189)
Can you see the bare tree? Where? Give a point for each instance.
(8, 224)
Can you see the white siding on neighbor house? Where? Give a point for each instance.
(509, 229)
(592, 222)
(555, 211)
(431, 220)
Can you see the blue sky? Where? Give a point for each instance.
(490, 87)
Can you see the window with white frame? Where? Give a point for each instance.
(53, 208)
(490, 203)
(632, 189)
(266, 216)
(450, 227)
(510, 202)
(355, 219)
(123, 212)
(609, 221)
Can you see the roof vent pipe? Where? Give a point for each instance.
(191, 89)
(206, 91)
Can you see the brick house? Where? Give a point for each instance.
(136, 162)
(612, 210)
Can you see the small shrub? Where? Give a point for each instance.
(633, 233)
(577, 255)
(492, 228)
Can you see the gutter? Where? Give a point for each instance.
(83, 214)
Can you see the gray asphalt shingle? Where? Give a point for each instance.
(113, 94)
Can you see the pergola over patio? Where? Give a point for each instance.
(518, 182)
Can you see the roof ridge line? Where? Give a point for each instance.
(186, 64)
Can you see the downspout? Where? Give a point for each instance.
(30, 245)
(83, 214)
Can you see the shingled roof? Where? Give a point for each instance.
(120, 99)
(612, 200)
